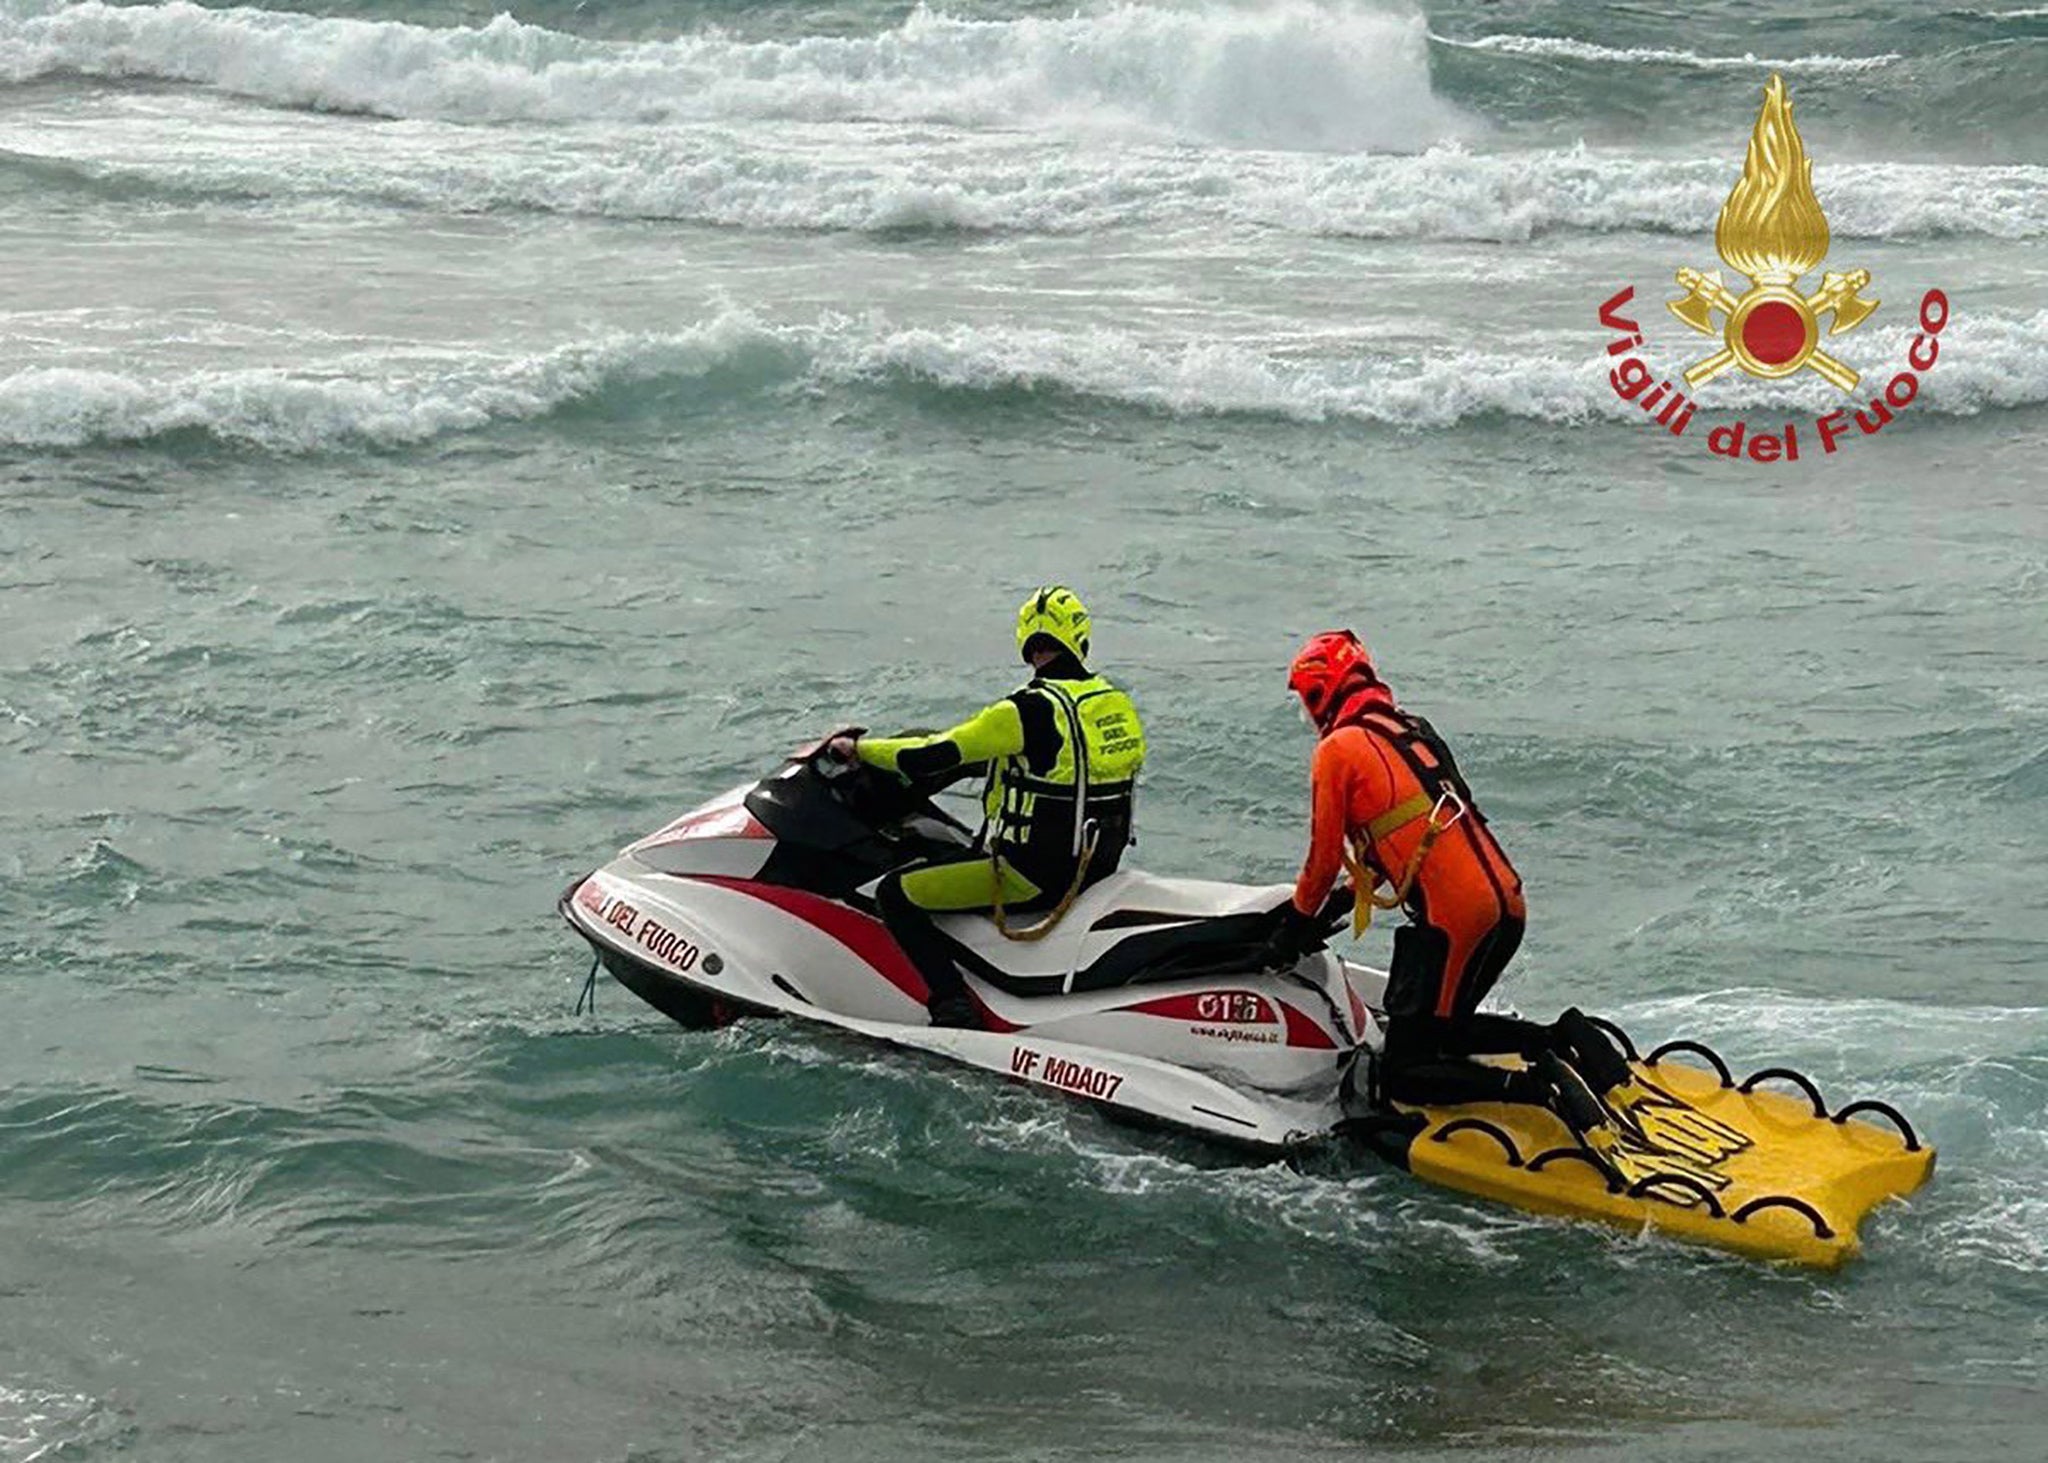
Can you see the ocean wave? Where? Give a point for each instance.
(1294, 74)
(720, 177)
(1987, 363)
(369, 402)
(1566, 49)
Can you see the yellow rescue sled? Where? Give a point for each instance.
(1742, 1165)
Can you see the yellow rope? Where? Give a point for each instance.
(1059, 911)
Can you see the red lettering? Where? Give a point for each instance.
(1909, 382)
(1831, 426)
(1629, 378)
(1933, 352)
(1927, 303)
(1613, 319)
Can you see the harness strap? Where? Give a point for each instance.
(1399, 816)
(1085, 834)
(1365, 880)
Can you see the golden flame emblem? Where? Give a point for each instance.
(1772, 229)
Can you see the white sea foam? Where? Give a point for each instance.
(1988, 363)
(1297, 73)
(893, 177)
(1564, 48)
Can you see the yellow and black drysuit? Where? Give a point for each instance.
(1063, 754)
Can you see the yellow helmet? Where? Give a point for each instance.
(1057, 612)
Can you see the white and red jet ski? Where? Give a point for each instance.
(1146, 998)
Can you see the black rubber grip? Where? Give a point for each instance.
(1557, 1155)
(1786, 1201)
(1785, 1074)
(1480, 1125)
(1883, 1110)
(1643, 1187)
(1698, 1049)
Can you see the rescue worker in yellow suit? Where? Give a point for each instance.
(1063, 754)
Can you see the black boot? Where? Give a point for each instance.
(955, 1009)
(1567, 1095)
(1589, 1049)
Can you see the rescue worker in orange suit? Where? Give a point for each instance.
(1390, 805)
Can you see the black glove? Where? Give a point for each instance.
(1297, 935)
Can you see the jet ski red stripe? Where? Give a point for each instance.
(862, 934)
(1301, 1031)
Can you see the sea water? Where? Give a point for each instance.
(438, 446)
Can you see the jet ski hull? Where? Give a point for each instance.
(1258, 1061)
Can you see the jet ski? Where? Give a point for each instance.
(1148, 1000)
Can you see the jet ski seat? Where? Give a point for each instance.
(1128, 929)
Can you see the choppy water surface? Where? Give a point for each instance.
(436, 448)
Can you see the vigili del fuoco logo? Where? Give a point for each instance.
(1772, 232)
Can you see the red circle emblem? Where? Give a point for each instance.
(1773, 333)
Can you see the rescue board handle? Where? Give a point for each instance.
(1480, 1125)
(1786, 1201)
(1543, 1160)
(1642, 1187)
(1698, 1049)
(1798, 1079)
(1883, 1110)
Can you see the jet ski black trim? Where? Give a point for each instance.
(1188, 950)
(1209, 1112)
(1125, 919)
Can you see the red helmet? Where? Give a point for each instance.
(1329, 665)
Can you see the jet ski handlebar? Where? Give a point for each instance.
(877, 797)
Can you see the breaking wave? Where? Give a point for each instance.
(1296, 74)
(1564, 48)
(1446, 192)
(1987, 363)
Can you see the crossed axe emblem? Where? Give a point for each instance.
(1780, 357)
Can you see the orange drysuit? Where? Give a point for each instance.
(1382, 765)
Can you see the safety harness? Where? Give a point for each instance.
(1443, 801)
(1087, 831)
